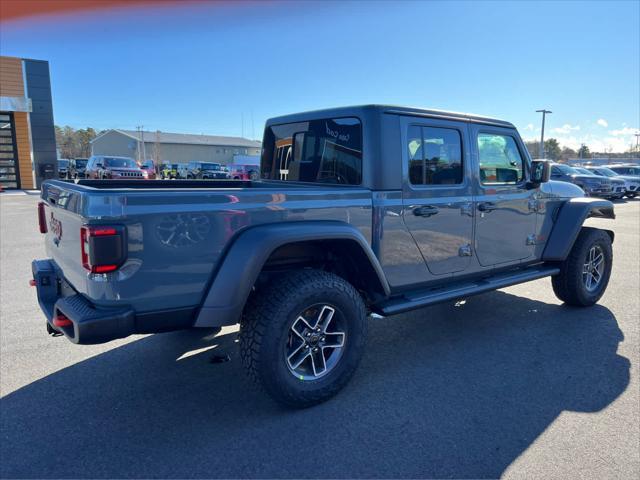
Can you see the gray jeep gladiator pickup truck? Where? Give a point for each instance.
(359, 211)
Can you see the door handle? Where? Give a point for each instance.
(487, 207)
(425, 211)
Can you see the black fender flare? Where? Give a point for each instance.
(568, 223)
(244, 259)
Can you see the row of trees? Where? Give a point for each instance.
(74, 143)
(553, 151)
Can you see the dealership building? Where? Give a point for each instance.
(164, 147)
(27, 136)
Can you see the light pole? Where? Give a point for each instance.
(544, 113)
(637, 140)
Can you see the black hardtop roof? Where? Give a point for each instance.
(374, 109)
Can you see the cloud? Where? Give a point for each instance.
(566, 128)
(623, 132)
(529, 127)
(595, 143)
(602, 122)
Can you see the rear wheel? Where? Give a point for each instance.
(584, 275)
(302, 338)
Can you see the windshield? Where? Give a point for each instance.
(566, 169)
(583, 171)
(119, 162)
(606, 172)
(63, 163)
(81, 163)
(626, 170)
(210, 166)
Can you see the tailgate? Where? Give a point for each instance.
(63, 214)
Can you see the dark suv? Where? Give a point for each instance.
(207, 171)
(592, 185)
(77, 168)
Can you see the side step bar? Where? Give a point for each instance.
(455, 291)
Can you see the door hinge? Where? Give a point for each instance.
(465, 251)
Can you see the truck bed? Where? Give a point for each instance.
(176, 231)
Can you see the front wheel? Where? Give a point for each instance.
(303, 336)
(584, 275)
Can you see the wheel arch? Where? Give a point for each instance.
(283, 245)
(570, 220)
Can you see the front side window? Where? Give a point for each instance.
(500, 160)
(319, 151)
(435, 156)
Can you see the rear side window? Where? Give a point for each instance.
(435, 156)
(319, 151)
(500, 160)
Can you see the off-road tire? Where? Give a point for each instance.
(265, 326)
(568, 285)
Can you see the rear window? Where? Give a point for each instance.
(319, 151)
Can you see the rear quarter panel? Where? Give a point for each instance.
(176, 237)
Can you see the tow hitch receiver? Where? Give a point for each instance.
(61, 321)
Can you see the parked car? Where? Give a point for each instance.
(63, 167)
(630, 185)
(593, 185)
(629, 170)
(244, 172)
(437, 207)
(150, 167)
(206, 171)
(77, 167)
(108, 167)
(169, 171)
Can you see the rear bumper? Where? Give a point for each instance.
(91, 324)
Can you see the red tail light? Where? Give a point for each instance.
(42, 219)
(102, 248)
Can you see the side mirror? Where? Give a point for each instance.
(540, 172)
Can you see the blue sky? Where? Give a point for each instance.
(203, 67)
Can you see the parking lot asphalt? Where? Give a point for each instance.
(510, 383)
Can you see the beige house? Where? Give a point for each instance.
(164, 147)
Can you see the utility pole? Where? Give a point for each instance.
(637, 140)
(138, 148)
(144, 150)
(544, 113)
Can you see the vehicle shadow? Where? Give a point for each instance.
(447, 391)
